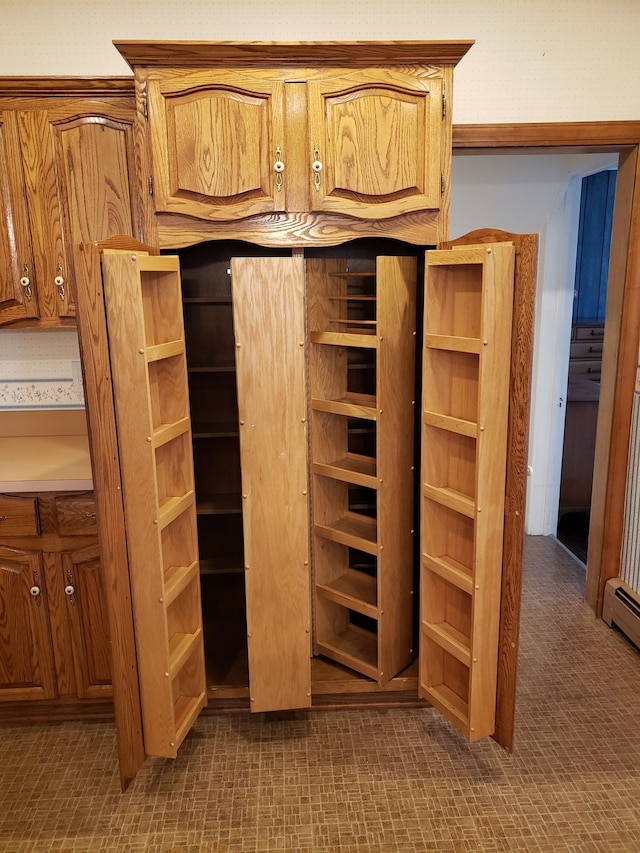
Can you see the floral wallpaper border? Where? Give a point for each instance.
(40, 394)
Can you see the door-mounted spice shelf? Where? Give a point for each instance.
(467, 339)
(148, 352)
(362, 392)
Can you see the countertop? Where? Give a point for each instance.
(44, 451)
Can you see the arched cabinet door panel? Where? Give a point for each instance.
(375, 138)
(217, 145)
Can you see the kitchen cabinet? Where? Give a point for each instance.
(66, 163)
(54, 636)
(279, 145)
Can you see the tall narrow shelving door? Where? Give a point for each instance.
(268, 316)
(466, 364)
(361, 378)
(149, 373)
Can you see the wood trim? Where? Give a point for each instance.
(348, 54)
(57, 87)
(619, 364)
(618, 372)
(545, 135)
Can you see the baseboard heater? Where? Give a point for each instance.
(621, 608)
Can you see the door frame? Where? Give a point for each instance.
(622, 332)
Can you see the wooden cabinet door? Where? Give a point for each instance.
(375, 138)
(81, 574)
(466, 372)
(78, 165)
(215, 141)
(268, 313)
(27, 669)
(17, 283)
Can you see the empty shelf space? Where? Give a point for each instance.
(455, 343)
(167, 432)
(444, 680)
(186, 709)
(219, 504)
(354, 274)
(228, 367)
(353, 297)
(178, 578)
(352, 405)
(212, 567)
(450, 570)
(227, 429)
(457, 425)
(180, 648)
(354, 530)
(172, 507)
(366, 339)
(206, 300)
(354, 590)
(352, 468)
(454, 641)
(166, 350)
(450, 498)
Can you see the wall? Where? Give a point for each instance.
(540, 194)
(534, 60)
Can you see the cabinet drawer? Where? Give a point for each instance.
(76, 515)
(586, 349)
(586, 368)
(588, 333)
(18, 516)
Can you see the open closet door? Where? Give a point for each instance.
(466, 366)
(149, 370)
(269, 329)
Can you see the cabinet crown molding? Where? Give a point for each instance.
(205, 54)
(56, 87)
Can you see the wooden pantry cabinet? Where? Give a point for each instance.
(285, 430)
(54, 639)
(66, 177)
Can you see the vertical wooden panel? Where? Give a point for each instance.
(268, 305)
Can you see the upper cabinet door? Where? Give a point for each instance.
(217, 145)
(17, 284)
(376, 141)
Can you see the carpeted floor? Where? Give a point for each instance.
(365, 781)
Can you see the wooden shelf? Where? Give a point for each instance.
(181, 647)
(228, 367)
(351, 405)
(450, 570)
(208, 567)
(453, 343)
(352, 468)
(451, 705)
(353, 530)
(205, 300)
(177, 579)
(167, 350)
(457, 425)
(172, 507)
(366, 339)
(167, 432)
(354, 590)
(450, 498)
(355, 648)
(452, 640)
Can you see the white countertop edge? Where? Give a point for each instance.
(13, 486)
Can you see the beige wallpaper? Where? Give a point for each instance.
(534, 60)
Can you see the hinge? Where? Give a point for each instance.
(150, 184)
(444, 99)
(145, 105)
(442, 185)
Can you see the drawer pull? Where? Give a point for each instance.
(35, 591)
(3, 517)
(91, 514)
(69, 590)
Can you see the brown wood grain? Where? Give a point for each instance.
(545, 135)
(517, 449)
(263, 53)
(108, 494)
(54, 87)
